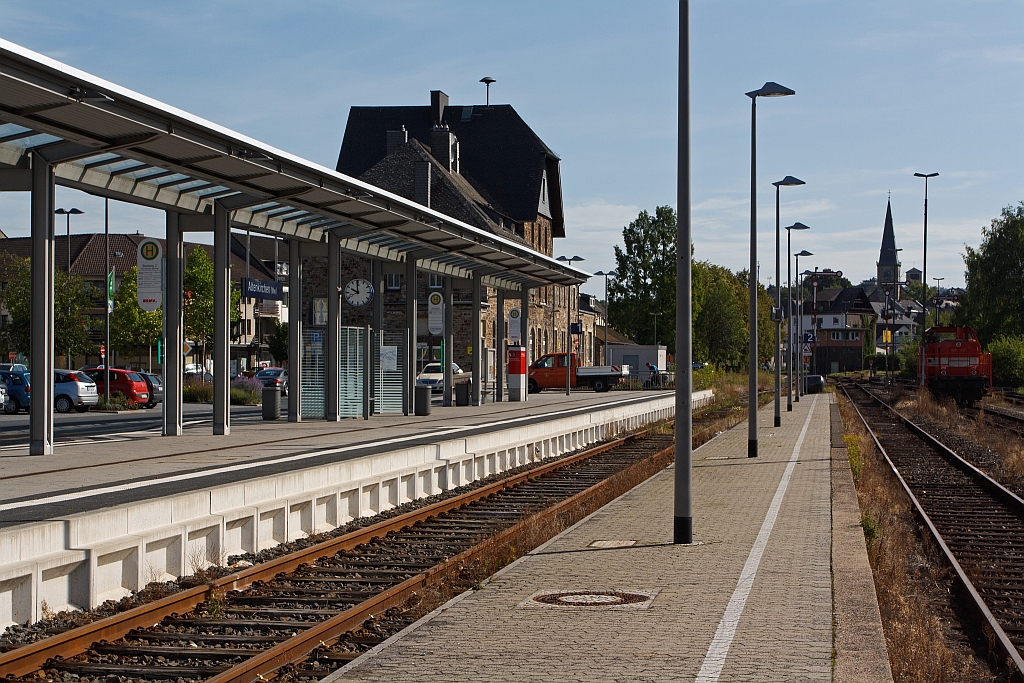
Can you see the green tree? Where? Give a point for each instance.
(132, 329)
(646, 285)
(1007, 361)
(71, 327)
(198, 288)
(994, 302)
(824, 282)
(719, 329)
(278, 342)
(765, 326)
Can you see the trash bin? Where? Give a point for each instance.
(422, 400)
(462, 394)
(271, 403)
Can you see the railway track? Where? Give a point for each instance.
(1003, 418)
(977, 523)
(297, 614)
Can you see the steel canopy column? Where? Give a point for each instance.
(411, 292)
(477, 339)
(332, 361)
(221, 321)
(294, 331)
(449, 342)
(174, 336)
(499, 344)
(41, 326)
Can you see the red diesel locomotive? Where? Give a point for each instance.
(954, 364)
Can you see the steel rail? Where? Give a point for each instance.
(298, 647)
(1014, 661)
(29, 658)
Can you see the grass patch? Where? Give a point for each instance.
(853, 454)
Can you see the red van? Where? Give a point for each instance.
(129, 383)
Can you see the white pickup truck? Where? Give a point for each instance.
(548, 372)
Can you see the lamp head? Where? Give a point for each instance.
(75, 212)
(60, 212)
(925, 175)
(771, 89)
(789, 180)
(804, 253)
(609, 273)
(487, 80)
(798, 226)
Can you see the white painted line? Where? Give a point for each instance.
(251, 465)
(714, 660)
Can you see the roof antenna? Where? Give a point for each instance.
(487, 80)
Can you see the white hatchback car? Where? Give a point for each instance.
(433, 376)
(73, 390)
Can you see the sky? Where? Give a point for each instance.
(883, 90)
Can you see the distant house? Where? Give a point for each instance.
(913, 275)
(840, 319)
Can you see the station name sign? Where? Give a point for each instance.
(261, 289)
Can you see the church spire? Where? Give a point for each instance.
(888, 262)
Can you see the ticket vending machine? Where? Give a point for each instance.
(517, 385)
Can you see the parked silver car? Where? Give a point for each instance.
(73, 390)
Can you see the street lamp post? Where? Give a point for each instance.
(800, 329)
(568, 326)
(769, 89)
(924, 267)
(788, 180)
(937, 281)
(607, 306)
(791, 329)
(68, 213)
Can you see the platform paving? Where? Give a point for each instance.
(751, 600)
(254, 448)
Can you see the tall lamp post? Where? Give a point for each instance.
(568, 325)
(791, 330)
(800, 329)
(937, 281)
(68, 213)
(924, 267)
(607, 306)
(769, 89)
(788, 181)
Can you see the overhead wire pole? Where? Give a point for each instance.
(682, 527)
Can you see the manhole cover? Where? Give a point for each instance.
(594, 598)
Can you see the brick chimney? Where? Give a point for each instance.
(397, 138)
(438, 101)
(445, 148)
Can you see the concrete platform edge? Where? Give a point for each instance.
(859, 640)
(338, 675)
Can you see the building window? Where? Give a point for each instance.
(835, 321)
(836, 336)
(393, 282)
(436, 281)
(854, 336)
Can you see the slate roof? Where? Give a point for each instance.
(499, 153)
(450, 193)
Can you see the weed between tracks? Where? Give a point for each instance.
(912, 584)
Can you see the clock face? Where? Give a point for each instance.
(358, 292)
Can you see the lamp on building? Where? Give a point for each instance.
(607, 306)
(769, 89)
(568, 325)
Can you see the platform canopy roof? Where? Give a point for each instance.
(119, 144)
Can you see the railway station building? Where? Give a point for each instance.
(59, 125)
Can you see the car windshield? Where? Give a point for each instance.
(134, 377)
(82, 377)
(268, 373)
(432, 369)
(155, 379)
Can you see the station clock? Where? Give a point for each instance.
(358, 292)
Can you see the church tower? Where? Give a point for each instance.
(888, 262)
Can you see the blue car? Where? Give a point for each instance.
(19, 390)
